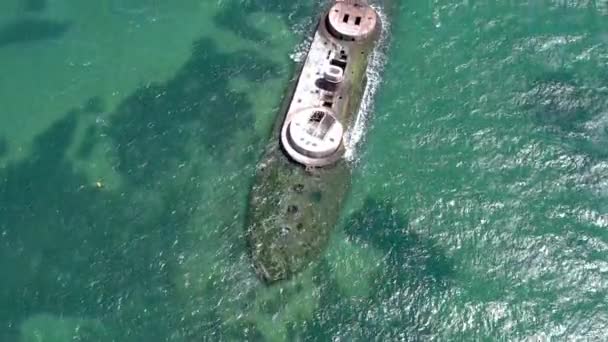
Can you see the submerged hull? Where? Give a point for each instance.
(302, 179)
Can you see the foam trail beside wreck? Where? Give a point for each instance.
(374, 79)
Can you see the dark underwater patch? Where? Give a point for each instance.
(88, 143)
(571, 105)
(80, 250)
(235, 17)
(381, 225)
(39, 196)
(413, 265)
(75, 249)
(34, 5)
(561, 100)
(163, 122)
(94, 105)
(3, 147)
(31, 30)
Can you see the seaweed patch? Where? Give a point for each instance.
(31, 30)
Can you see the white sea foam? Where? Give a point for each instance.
(374, 78)
(301, 50)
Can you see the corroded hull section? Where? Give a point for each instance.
(302, 178)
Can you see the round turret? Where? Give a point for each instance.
(352, 21)
(313, 137)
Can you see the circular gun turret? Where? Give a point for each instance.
(313, 136)
(352, 21)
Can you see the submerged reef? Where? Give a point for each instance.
(117, 248)
(34, 5)
(31, 30)
(196, 107)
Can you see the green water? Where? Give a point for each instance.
(129, 133)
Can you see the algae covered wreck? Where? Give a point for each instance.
(302, 178)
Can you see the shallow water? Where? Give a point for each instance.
(129, 132)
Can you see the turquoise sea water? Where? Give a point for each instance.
(129, 133)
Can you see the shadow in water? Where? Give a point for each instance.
(30, 30)
(415, 270)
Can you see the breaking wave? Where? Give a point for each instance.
(374, 79)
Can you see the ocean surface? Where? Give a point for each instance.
(130, 130)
